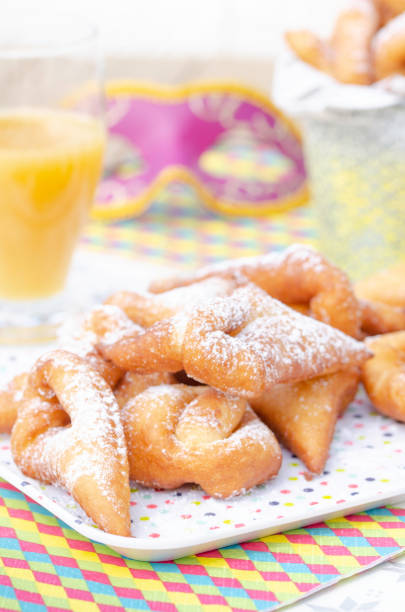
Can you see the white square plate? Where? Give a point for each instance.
(365, 469)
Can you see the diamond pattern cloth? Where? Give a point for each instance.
(46, 565)
(178, 230)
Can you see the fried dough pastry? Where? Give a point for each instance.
(309, 48)
(389, 9)
(147, 308)
(382, 298)
(389, 48)
(178, 434)
(69, 432)
(351, 41)
(10, 398)
(360, 51)
(82, 343)
(397, 6)
(132, 384)
(379, 318)
(383, 376)
(387, 286)
(298, 275)
(303, 415)
(241, 344)
(100, 320)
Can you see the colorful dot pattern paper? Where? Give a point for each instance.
(45, 565)
(365, 468)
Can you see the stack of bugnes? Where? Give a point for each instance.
(188, 382)
(367, 43)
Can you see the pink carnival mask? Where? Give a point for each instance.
(239, 152)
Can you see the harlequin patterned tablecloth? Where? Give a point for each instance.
(45, 565)
(178, 230)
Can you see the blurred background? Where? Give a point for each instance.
(183, 40)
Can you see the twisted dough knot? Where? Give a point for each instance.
(178, 434)
(69, 432)
(133, 383)
(241, 344)
(297, 275)
(383, 376)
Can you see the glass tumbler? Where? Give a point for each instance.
(51, 150)
(356, 165)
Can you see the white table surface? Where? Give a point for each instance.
(380, 589)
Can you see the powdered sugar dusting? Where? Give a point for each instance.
(298, 253)
(198, 435)
(288, 341)
(182, 298)
(295, 275)
(253, 326)
(93, 445)
(203, 421)
(106, 324)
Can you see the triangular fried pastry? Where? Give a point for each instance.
(178, 434)
(69, 432)
(303, 415)
(241, 344)
(297, 275)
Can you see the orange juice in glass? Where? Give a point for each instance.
(50, 163)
